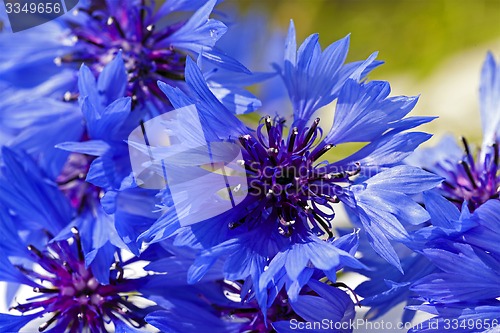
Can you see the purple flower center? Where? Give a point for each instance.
(474, 181)
(72, 182)
(74, 297)
(147, 57)
(287, 180)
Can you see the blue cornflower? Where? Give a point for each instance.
(469, 185)
(154, 43)
(129, 45)
(389, 287)
(449, 229)
(448, 226)
(70, 297)
(130, 34)
(465, 289)
(474, 180)
(277, 233)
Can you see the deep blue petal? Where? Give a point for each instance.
(112, 81)
(31, 196)
(13, 324)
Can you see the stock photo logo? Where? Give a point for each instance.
(187, 164)
(26, 14)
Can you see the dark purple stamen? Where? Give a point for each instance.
(291, 140)
(112, 21)
(468, 154)
(495, 155)
(49, 322)
(310, 132)
(78, 241)
(320, 153)
(468, 171)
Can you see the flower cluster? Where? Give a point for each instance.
(134, 197)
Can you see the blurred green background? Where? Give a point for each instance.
(430, 47)
(411, 35)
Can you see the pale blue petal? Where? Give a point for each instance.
(92, 147)
(489, 94)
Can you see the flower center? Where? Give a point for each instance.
(74, 295)
(289, 182)
(147, 57)
(474, 181)
(72, 182)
